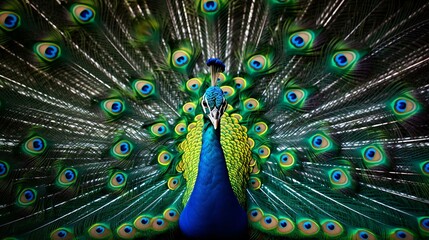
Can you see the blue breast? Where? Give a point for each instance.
(212, 209)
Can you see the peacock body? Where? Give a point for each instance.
(308, 120)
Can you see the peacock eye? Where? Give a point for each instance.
(159, 224)
(126, 231)
(294, 96)
(171, 215)
(47, 51)
(164, 157)
(180, 128)
(308, 227)
(83, 14)
(35, 145)
(285, 226)
(180, 58)
(364, 234)
(27, 197)
(320, 142)
(62, 234)
(142, 222)
(144, 88)
(269, 222)
(255, 183)
(301, 39)
(332, 228)
(67, 177)
(9, 20)
(264, 151)
(118, 180)
(251, 104)
(173, 183)
(344, 59)
(255, 214)
(286, 160)
(400, 234)
(159, 129)
(240, 83)
(404, 106)
(122, 149)
(372, 154)
(260, 128)
(4, 169)
(113, 107)
(257, 62)
(425, 168)
(189, 107)
(100, 231)
(227, 91)
(338, 177)
(193, 84)
(210, 6)
(424, 224)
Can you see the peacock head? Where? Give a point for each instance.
(214, 104)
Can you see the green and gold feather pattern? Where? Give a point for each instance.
(325, 131)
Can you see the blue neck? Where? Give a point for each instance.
(213, 209)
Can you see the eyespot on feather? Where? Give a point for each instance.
(209, 6)
(122, 149)
(143, 222)
(47, 51)
(189, 107)
(294, 96)
(260, 128)
(27, 197)
(308, 227)
(173, 183)
(62, 234)
(180, 58)
(171, 215)
(126, 231)
(285, 226)
(264, 151)
(269, 222)
(424, 225)
(255, 214)
(67, 177)
(344, 59)
(9, 21)
(363, 234)
(144, 88)
(164, 158)
(257, 63)
(251, 104)
(118, 180)
(332, 228)
(35, 145)
(286, 159)
(4, 169)
(301, 40)
(193, 84)
(255, 183)
(84, 14)
(401, 234)
(320, 142)
(159, 129)
(159, 224)
(228, 91)
(113, 107)
(240, 83)
(100, 231)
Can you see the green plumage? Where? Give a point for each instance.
(325, 132)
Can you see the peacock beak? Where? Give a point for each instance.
(214, 116)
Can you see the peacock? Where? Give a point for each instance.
(214, 119)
